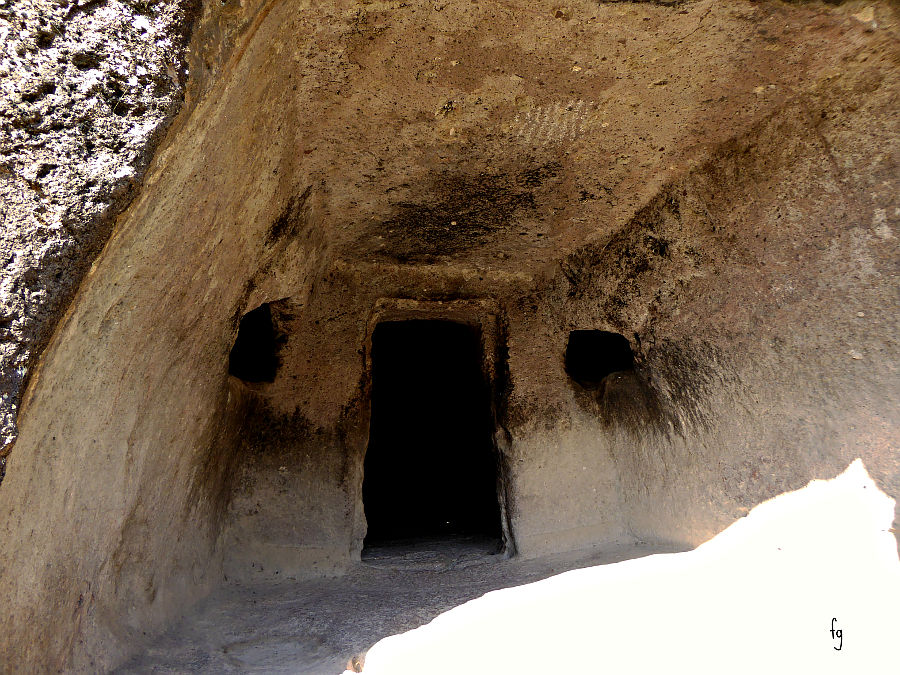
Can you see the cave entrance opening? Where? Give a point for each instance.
(430, 470)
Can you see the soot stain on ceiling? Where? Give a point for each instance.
(460, 212)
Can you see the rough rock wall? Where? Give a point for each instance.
(565, 144)
(731, 276)
(759, 297)
(88, 612)
(86, 91)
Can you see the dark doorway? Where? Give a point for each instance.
(430, 468)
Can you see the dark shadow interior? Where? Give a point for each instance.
(254, 356)
(430, 467)
(591, 355)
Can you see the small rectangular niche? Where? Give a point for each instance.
(592, 355)
(254, 356)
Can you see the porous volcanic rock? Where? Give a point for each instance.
(86, 91)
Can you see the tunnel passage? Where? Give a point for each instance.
(430, 468)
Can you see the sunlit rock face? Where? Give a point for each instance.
(710, 187)
(86, 92)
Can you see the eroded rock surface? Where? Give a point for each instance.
(86, 91)
(714, 182)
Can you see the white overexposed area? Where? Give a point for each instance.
(762, 597)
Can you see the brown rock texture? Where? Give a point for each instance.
(86, 92)
(716, 182)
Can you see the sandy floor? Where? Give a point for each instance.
(316, 626)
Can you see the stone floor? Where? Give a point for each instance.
(318, 626)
